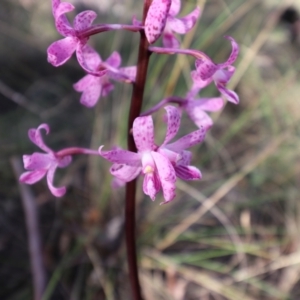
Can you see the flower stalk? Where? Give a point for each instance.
(134, 112)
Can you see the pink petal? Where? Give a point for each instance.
(37, 161)
(121, 156)
(36, 137)
(32, 176)
(173, 116)
(200, 117)
(185, 158)
(188, 172)
(91, 57)
(234, 53)
(91, 87)
(55, 4)
(107, 87)
(167, 176)
(185, 24)
(114, 60)
(129, 73)
(124, 172)
(198, 84)
(83, 56)
(117, 75)
(60, 51)
(188, 140)
(143, 133)
(156, 19)
(170, 155)
(230, 95)
(61, 22)
(151, 185)
(208, 104)
(223, 75)
(64, 161)
(170, 41)
(205, 68)
(175, 7)
(84, 19)
(57, 192)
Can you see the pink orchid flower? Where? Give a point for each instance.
(60, 51)
(178, 25)
(93, 87)
(160, 165)
(40, 164)
(196, 108)
(208, 71)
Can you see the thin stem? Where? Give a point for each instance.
(135, 109)
(195, 53)
(76, 150)
(177, 100)
(98, 28)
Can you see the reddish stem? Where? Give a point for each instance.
(98, 28)
(135, 109)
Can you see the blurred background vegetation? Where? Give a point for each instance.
(233, 235)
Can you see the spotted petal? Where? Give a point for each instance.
(188, 172)
(85, 56)
(234, 53)
(167, 176)
(84, 19)
(124, 172)
(91, 88)
(121, 156)
(143, 133)
(60, 51)
(205, 68)
(188, 140)
(173, 116)
(61, 22)
(156, 19)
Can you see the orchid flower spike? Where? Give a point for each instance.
(178, 25)
(208, 71)
(60, 51)
(40, 164)
(93, 87)
(159, 165)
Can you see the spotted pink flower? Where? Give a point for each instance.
(93, 87)
(178, 25)
(60, 51)
(159, 165)
(39, 165)
(207, 71)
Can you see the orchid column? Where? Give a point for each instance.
(160, 165)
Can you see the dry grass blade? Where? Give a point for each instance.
(220, 193)
(198, 277)
(279, 263)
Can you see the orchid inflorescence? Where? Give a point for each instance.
(160, 165)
